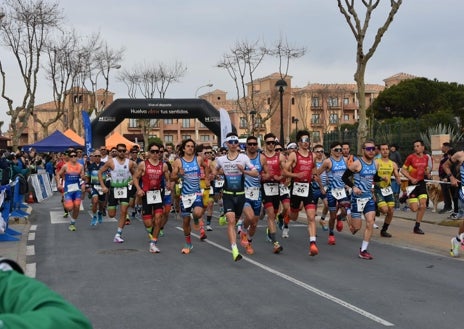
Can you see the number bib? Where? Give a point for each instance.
(386, 191)
(188, 200)
(252, 193)
(98, 188)
(211, 190)
(361, 203)
(154, 197)
(409, 189)
(73, 187)
(219, 183)
(284, 190)
(301, 189)
(271, 189)
(120, 192)
(339, 193)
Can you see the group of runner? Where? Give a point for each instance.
(246, 184)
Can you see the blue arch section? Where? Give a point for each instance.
(155, 108)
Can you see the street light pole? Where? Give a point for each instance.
(281, 85)
(295, 121)
(209, 85)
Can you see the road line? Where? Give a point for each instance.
(307, 287)
(30, 250)
(31, 270)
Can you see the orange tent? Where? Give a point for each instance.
(75, 137)
(116, 139)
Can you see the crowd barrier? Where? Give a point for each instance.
(12, 205)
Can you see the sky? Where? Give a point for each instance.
(423, 40)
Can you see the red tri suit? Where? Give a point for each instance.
(153, 177)
(304, 164)
(416, 165)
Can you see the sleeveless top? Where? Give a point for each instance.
(323, 176)
(273, 166)
(416, 165)
(364, 179)
(233, 178)
(304, 164)
(120, 175)
(335, 173)
(251, 181)
(385, 170)
(191, 179)
(72, 174)
(153, 177)
(92, 172)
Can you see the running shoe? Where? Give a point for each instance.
(187, 248)
(280, 221)
(154, 248)
(364, 254)
(331, 240)
(72, 227)
(104, 212)
(324, 225)
(268, 235)
(277, 248)
(285, 231)
(118, 238)
(418, 230)
(454, 252)
(100, 218)
(209, 228)
(249, 249)
(128, 221)
(161, 233)
(202, 234)
(339, 225)
(239, 229)
(94, 220)
(375, 226)
(243, 239)
(313, 251)
(385, 234)
(66, 214)
(453, 216)
(222, 220)
(236, 254)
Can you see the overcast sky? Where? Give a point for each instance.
(423, 40)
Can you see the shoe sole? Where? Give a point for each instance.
(237, 258)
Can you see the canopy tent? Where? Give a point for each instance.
(116, 139)
(56, 142)
(75, 137)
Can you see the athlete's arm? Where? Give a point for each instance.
(139, 172)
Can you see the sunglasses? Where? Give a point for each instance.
(337, 150)
(102, 149)
(72, 155)
(121, 150)
(270, 142)
(154, 151)
(208, 152)
(370, 148)
(320, 151)
(278, 150)
(233, 142)
(304, 140)
(98, 156)
(252, 144)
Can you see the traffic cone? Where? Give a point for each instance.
(30, 198)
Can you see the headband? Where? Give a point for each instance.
(231, 138)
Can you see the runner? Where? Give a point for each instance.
(97, 196)
(121, 170)
(154, 175)
(318, 192)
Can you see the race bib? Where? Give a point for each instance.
(339, 193)
(188, 200)
(301, 189)
(99, 189)
(284, 190)
(271, 189)
(252, 193)
(219, 183)
(409, 189)
(120, 192)
(211, 190)
(386, 191)
(154, 197)
(361, 203)
(73, 187)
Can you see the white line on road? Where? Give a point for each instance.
(304, 285)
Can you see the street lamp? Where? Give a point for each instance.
(253, 113)
(295, 121)
(281, 85)
(209, 85)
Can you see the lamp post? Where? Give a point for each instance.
(209, 85)
(253, 113)
(281, 85)
(295, 121)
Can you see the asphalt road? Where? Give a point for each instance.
(124, 286)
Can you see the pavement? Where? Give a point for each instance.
(437, 227)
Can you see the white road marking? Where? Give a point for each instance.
(31, 270)
(31, 236)
(30, 250)
(303, 285)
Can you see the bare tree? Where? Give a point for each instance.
(25, 28)
(359, 29)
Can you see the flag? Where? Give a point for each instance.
(87, 132)
(226, 125)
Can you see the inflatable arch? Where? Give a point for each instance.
(157, 108)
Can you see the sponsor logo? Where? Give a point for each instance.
(107, 119)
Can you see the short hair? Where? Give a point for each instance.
(269, 135)
(251, 137)
(318, 146)
(302, 133)
(333, 144)
(122, 145)
(418, 141)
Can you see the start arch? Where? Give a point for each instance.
(155, 108)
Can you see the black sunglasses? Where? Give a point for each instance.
(337, 150)
(154, 151)
(72, 155)
(278, 150)
(252, 144)
(208, 152)
(121, 150)
(270, 142)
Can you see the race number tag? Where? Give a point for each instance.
(339, 193)
(301, 189)
(271, 189)
(211, 190)
(386, 191)
(188, 200)
(284, 190)
(73, 187)
(154, 197)
(99, 189)
(361, 203)
(252, 193)
(409, 189)
(219, 183)
(120, 192)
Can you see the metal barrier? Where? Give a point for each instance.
(12, 206)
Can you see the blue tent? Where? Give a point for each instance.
(56, 142)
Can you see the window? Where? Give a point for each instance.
(316, 136)
(133, 123)
(346, 101)
(332, 101)
(77, 99)
(315, 102)
(154, 123)
(333, 118)
(184, 137)
(346, 117)
(204, 138)
(315, 119)
(185, 123)
(243, 122)
(202, 125)
(168, 139)
(168, 121)
(293, 100)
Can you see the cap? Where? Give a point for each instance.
(292, 146)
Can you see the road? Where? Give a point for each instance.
(124, 286)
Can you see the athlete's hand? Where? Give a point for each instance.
(61, 189)
(140, 192)
(104, 189)
(240, 167)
